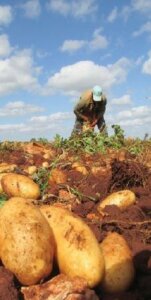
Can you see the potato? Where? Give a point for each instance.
(97, 170)
(1, 176)
(26, 241)
(20, 186)
(80, 168)
(122, 199)
(5, 167)
(30, 170)
(119, 269)
(78, 252)
(57, 176)
(45, 164)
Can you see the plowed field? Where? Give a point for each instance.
(79, 181)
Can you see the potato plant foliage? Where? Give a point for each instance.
(92, 142)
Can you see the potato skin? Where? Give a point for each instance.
(119, 268)
(16, 185)
(5, 167)
(122, 199)
(1, 176)
(26, 241)
(57, 176)
(77, 249)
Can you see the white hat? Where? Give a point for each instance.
(97, 93)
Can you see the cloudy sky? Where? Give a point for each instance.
(53, 50)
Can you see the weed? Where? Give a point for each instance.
(9, 146)
(41, 178)
(58, 141)
(3, 199)
(80, 195)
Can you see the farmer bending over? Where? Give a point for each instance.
(90, 111)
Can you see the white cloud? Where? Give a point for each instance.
(59, 116)
(139, 60)
(32, 8)
(72, 45)
(131, 120)
(125, 12)
(135, 6)
(37, 126)
(18, 108)
(98, 41)
(6, 15)
(113, 15)
(144, 28)
(125, 99)
(59, 6)
(136, 112)
(10, 128)
(142, 5)
(5, 48)
(82, 8)
(18, 72)
(72, 79)
(75, 8)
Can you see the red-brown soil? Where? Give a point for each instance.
(81, 194)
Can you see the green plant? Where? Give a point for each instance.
(58, 141)
(3, 199)
(41, 178)
(9, 146)
(92, 142)
(80, 195)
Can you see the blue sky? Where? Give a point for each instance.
(53, 50)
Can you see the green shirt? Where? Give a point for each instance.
(88, 107)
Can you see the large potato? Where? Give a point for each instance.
(78, 252)
(26, 241)
(122, 199)
(119, 269)
(15, 185)
(1, 176)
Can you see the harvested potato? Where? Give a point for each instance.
(122, 199)
(1, 176)
(45, 164)
(119, 269)
(5, 167)
(47, 155)
(97, 170)
(30, 170)
(20, 186)
(80, 168)
(78, 252)
(57, 176)
(26, 241)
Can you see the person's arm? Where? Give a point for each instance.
(78, 110)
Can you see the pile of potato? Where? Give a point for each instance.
(34, 238)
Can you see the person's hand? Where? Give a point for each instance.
(94, 123)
